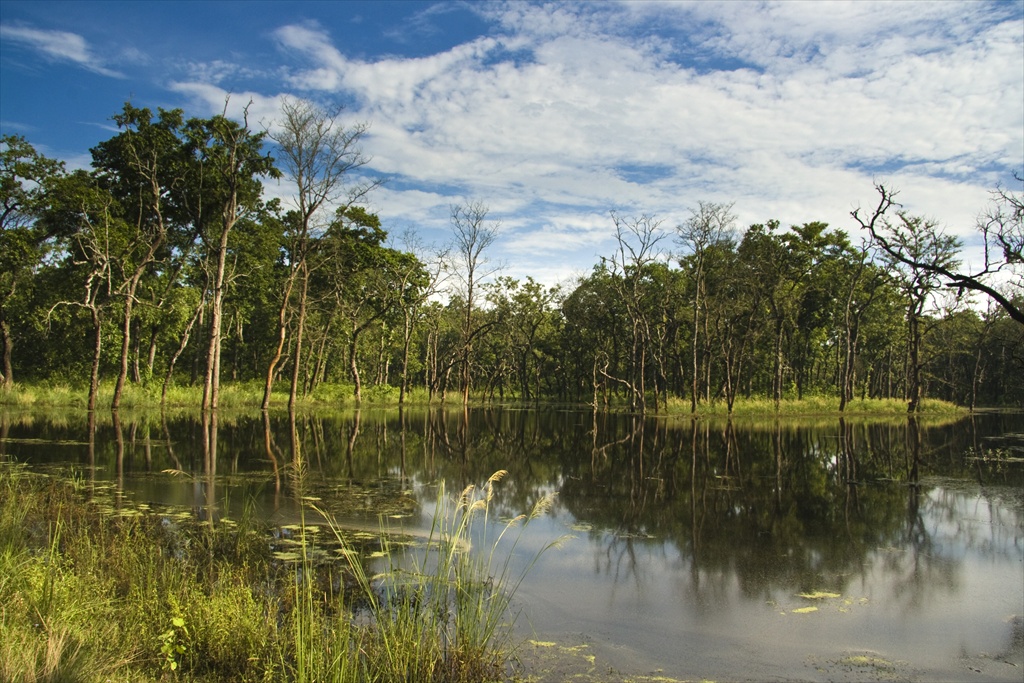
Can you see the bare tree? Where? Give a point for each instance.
(638, 247)
(920, 255)
(319, 155)
(708, 225)
(1001, 227)
(473, 236)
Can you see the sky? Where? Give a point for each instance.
(554, 115)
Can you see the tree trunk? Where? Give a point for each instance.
(914, 378)
(211, 385)
(353, 360)
(126, 337)
(7, 348)
(94, 376)
(299, 329)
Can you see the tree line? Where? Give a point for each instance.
(168, 264)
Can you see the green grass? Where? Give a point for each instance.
(813, 406)
(93, 591)
(249, 396)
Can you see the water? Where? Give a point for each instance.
(698, 549)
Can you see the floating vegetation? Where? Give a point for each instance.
(824, 599)
(245, 601)
(818, 595)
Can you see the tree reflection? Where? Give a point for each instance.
(760, 506)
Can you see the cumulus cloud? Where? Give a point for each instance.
(792, 110)
(58, 46)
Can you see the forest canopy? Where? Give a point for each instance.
(167, 264)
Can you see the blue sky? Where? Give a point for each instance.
(555, 114)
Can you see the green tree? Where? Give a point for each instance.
(524, 311)
(89, 219)
(24, 176)
(226, 161)
(140, 167)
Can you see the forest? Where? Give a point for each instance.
(167, 265)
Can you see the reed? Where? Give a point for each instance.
(442, 613)
(94, 590)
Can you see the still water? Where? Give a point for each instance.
(821, 549)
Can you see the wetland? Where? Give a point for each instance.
(759, 549)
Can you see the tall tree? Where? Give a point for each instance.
(227, 160)
(90, 219)
(417, 283)
(319, 155)
(773, 269)
(142, 166)
(24, 175)
(474, 235)
(919, 253)
(637, 248)
(709, 225)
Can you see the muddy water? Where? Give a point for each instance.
(795, 550)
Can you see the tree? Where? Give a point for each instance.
(920, 255)
(474, 235)
(367, 281)
(24, 175)
(318, 154)
(89, 218)
(417, 285)
(637, 249)
(523, 310)
(776, 272)
(226, 162)
(709, 224)
(141, 167)
(594, 326)
(861, 282)
(1001, 227)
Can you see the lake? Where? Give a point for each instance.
(790, 549)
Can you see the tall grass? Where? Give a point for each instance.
(443, 612)
(92, 592)
(249, 395)
(812, 405)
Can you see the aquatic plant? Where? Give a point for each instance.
(443, 612)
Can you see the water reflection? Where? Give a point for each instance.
(693, 536)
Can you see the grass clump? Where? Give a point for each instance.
(453, 604)
(89, 592)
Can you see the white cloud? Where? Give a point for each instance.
(262, 110)
(789, 109)
(58, 46)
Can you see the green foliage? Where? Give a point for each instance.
(92, 592)
(125, 271)
(172, 643)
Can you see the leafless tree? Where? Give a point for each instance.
(474, 235)
(709, 224)
(1001, 227)
(319, 155)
